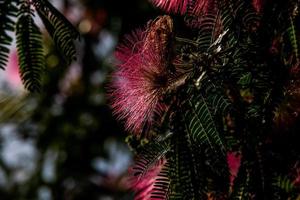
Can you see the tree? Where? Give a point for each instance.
(220, 84)
(210, 94)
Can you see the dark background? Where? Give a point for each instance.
(64, 143)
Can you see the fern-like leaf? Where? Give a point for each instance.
(245, 80)
(186, 169)
(148, 156)
(209, 29)
(246, 13)
(227, 18)
(144, 187)
(30, 49)
(161, 187)
(292, 33)
(284, 183)
(241, 185)
(8, 11)
(215, 96)
(200, 124)
(59, 28)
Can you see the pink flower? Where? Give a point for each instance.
(176, 6)
(234, 162)
(192, 7)
(141, 77)
(257, 4)
(13, 76)
(200, 6)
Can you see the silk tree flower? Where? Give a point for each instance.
(234, 162)
(258, 5)
(191, 7)
(141, 77)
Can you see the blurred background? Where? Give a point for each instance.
(64, 143)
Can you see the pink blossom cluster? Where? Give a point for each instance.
(234, 162)
(194, 7)
(258, 5)
(141, 76)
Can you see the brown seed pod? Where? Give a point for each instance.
(160, 34)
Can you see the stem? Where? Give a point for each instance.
(179, 39)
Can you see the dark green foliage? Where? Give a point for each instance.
(201, 125)
(8, 10)
(227, 14)
(30, 49)
(148, 156)
(294, 37)
(60, 29)
(240, 68)
(186, 175)
(29, 39)
(215, 96)
(161, 189)
(241, 186)
(209, 27)
(284, 183)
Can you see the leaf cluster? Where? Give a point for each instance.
(18, 16)
(240, 69)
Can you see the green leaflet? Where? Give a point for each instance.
(59, 28)
(200, 124)
(245, 80)
(162, 185)
(227, 18)
(30, 49)
(215, 97)
(148, 156)
(29, 39)
(8, 10)
(186, 169)
(284, 183)
(292, 33)
(209, 28)
(241, 186)
(219, 103)
(175, 196)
